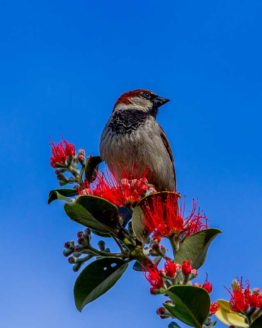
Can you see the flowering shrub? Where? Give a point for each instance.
(139, 219)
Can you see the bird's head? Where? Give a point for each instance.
(144, 100)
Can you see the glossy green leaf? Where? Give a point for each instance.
(190, 304)
(257, 323)
(195, 247)
(228, 317)
(93, 212)
(138, 224)
(60, 194)
(97, 278)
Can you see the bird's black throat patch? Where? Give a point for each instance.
(126, 121)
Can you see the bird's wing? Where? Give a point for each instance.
(168, 148)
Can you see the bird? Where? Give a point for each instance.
(133, 142)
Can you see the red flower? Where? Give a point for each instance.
(120, 193)
(196, 221)
(170, 268)
(242, 299)
(161, 214)
(153, 276)
(186, 267)
(164, 218)
(207, 286)
(213, 308)
(61, 152)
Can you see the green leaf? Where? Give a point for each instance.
(91, 166)
(257, 323)
(96, 279)
(60, 194)
(138, 224)
(190, 304)
(93, 212)
(195, 247)
(228, 317)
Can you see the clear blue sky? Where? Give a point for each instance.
(62, 66)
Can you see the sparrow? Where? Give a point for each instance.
(134, 144)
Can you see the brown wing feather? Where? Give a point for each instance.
(168, 148)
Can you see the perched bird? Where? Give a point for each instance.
(133, 143)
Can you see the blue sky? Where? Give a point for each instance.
(62, 66)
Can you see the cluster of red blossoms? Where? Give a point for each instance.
(244, 299)
(119, 193)
(61, 152)
(174, 272)
(165, 218)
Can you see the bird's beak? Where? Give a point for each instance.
(159, 101)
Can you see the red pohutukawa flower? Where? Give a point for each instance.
(153, 276)
(186, 267)
(165, 218)
(61, 152)
(213, 308)
(170, 268)
(243, 299)
(120, 193)
(207, 286)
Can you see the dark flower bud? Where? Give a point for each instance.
(161, 310)
(81, 241)
(87, 232)
(77, 266)
(69, 244)
(76, 249)
(72, 259)
(101, 245)
(80, 234)
(67, 252)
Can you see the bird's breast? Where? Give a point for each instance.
(126, 122)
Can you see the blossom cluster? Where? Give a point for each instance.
(61, 152)
(244, 299)
(175, 272)
(165, 218)
(120, 193)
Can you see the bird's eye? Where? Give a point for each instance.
(146, 95)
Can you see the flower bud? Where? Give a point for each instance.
(77, 266)
(213, 308)
(76, 249)
(72, 259)
(101, 245)
(154, 291)
(67, 252)
(186, 267)
(161, 310)
(87, 232)
(81, 241)
(207, 286)
(68, 244)
(80, 234)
